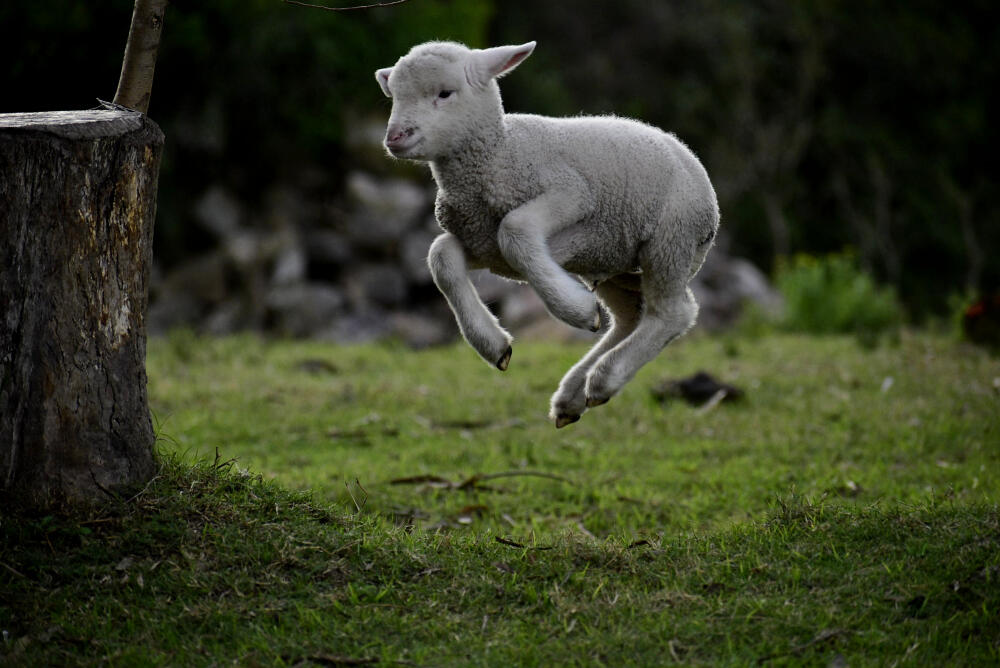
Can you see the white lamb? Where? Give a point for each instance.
(561, 203)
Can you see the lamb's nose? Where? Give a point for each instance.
(396, 136)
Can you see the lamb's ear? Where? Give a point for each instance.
(500, 60)
(382, 76)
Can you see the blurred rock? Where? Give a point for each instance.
(725, 284)
(229, 317)
(492, 288)
(355, 269)
(219, 212)
(171, 310)
(520, 306)
(203, 278)
(548, 328)
(289, 266)
(522, 311)
(183, 296)
(383, 210)
(288, 208)
(421, 330)
(244, 248)
(363, 138)
(382, 284)
(413, 256)
(326, 250)
(304, 309)
(366, 132)
(365, 326)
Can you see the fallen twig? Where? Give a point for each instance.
(712, 402)
(217, 465)
(514, 543)
(480, 477)
(361, 434)
(420, 479)
(475, 481)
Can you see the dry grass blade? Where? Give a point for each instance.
(673, 646)
(351, 494)
(336, 660)
(14, 571)
(821, 637)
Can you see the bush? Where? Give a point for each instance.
(832, 295)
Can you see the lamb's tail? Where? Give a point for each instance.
(704, 245)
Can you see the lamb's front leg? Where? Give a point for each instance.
(523, 240)
(446, 259)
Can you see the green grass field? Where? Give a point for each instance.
(417, 508)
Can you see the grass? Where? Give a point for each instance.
(417, 508)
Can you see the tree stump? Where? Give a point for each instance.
(77, 206)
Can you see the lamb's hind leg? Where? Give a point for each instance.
(570, 400)
(480, 328)
(669, 310)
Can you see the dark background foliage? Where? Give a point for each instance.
(824, 125)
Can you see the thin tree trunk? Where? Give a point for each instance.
(974, 253)
(778, 224)
(77, 204)
(136, 82)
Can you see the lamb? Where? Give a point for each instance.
(584, 209)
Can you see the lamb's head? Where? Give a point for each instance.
(444, 95)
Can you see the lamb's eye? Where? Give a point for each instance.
(445, 94)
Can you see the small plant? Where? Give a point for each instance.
(980, 321)
(832, 295)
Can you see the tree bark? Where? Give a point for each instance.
(135, 85)
(77, 205)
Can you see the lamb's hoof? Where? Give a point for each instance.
(596, 401)
(596, 323)
(564, 419)
(505, 360)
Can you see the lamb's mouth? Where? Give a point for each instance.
(404, 151)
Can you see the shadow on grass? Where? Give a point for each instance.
(210, 563)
